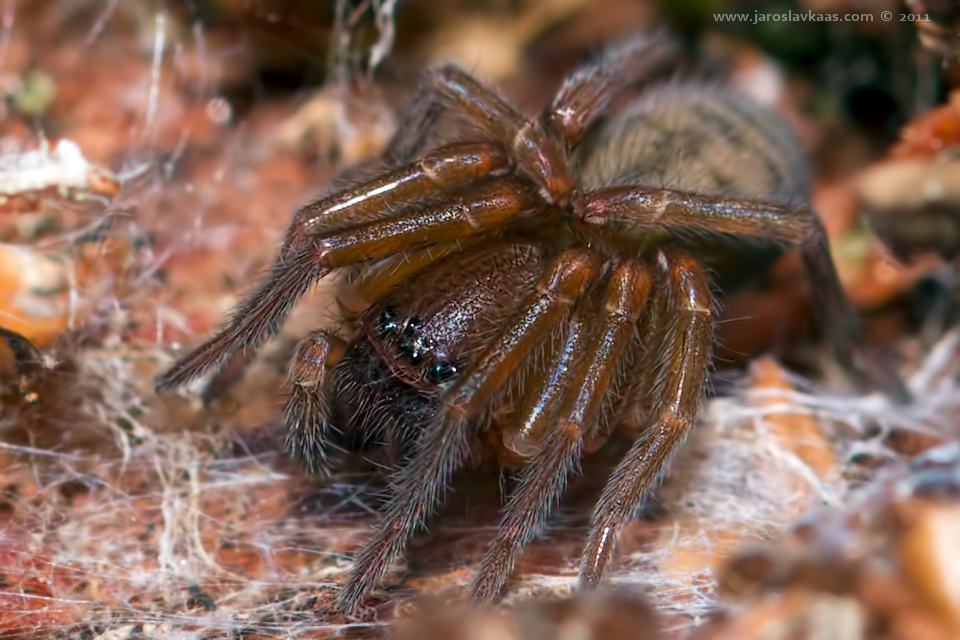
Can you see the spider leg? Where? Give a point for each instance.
(348, 179)
(647, 206)
(421, 483)
(545, 387)
(584, 391)
(685, 357)
(440, 172)
(450, 88)
(478, 208)
(797, 225)
(307, 414)
(416, 120)
(587, 93)
(370, 283)
(840, 322)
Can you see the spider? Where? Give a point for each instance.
(529, 287)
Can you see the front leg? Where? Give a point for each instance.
(321, 234)
(451, 89)
(794, 224)
(578, 380)
(681, 366)
(443, 445)
(307, 411)
(587, 93)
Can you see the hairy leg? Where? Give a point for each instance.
(421, 484)
(369, 283)
(258, 318)
(584, 392)
(450, 88)
(307, 412)
(544, 388)
(685, 357)
(670, 209)
(478, 208)
(440, 172)
(587, 93)
(797, 225)
(354, 199)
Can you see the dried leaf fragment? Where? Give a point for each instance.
(62, 169)
(33, 288)
(930, 557)
(795, 432)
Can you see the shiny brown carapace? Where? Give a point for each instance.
(528, 287)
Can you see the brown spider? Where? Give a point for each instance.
(533, 287)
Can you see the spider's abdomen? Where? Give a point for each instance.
(705, 138)
(708, 139)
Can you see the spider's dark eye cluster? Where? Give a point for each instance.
(413, 346)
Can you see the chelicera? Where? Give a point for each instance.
(534, 284)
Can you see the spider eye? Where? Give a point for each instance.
(411, 325)
(411, 352)
(441, 372)
(387, 322)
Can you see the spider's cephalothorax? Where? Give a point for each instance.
(535, 284)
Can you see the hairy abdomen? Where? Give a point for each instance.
(706, 138)
(698, 137)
